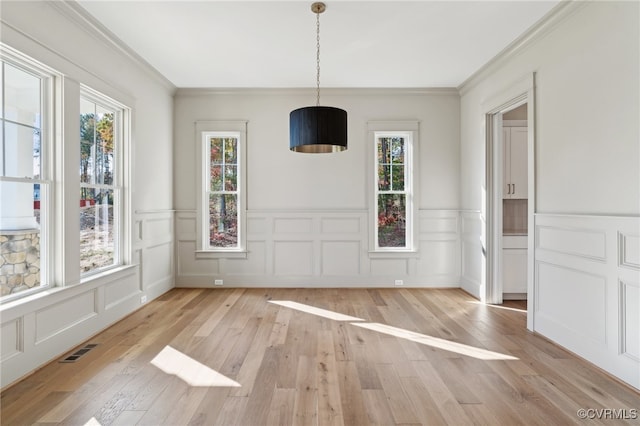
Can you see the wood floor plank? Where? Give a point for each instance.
(538, 408)
(424, 320)
(515, 400)
(295, 367)
(546, 365)
(259, 399)
(424, 406)
(216, 347)
(300, 340)
(305, 405)
(481, 390)
(20, 399)
(221, 310)
(448, 406)
(563, 403)
(253, 362)
(329, 406)
(236, 357)
(281, 408)
(280, 327)
(114, 407)
(80, 400)
(597, 384)
(210, 407)
(97, 408)
(147, 390)
(287, 367)
(400, 405)
(231, 411)
(185, 407)
(481, 414)
(375, 297)
(392, 352)
(365, 359)
(353, 409)
(377, 406)
(128, 418)
(412, 350)
(341, 341)
(16, 415)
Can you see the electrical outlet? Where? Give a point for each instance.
(143, 299)
(399, 282)
(218, 282)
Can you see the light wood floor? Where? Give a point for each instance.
(295, 367)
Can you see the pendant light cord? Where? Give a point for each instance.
(317, 58)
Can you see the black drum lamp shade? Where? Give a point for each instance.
(318, 129)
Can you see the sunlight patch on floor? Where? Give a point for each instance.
(315, 311)
(92, 422)
(498, 306)
(423, 339)
(194, 373)
(435, 342)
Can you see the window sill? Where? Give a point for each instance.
(210, 254)
(405, 254)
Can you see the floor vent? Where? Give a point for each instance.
(80, 352)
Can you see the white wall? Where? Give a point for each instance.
(587, 109)
(587, 165)
(291, 195)
(42, 327)
(281, 179)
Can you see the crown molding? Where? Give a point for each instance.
(287, 91)
(76, 13)
(545, 25)
(58, 63)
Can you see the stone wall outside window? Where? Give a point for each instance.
(19, 261)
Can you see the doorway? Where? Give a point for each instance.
(510, 274)
(514, 203)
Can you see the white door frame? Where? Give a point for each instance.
(519, 93)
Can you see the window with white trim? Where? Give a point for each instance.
(221, 193)
(102, 135)
(26, 181)
(393, 201)
(36, 189)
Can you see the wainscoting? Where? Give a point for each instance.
(322, 249)
(42, 327)
(154, 251)
(587, 289)
(473, 253)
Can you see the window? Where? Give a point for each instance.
(25, 175)
(221, 199)
(393, 200)
(101, 182)
(36, 188)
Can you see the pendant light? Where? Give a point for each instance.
(318, 129)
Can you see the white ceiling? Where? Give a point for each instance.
(272, 44)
